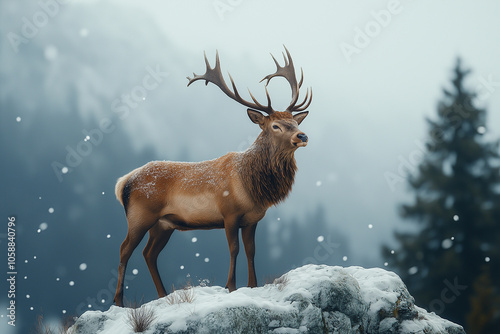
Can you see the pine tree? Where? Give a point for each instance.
(456, 208)
(484, 304)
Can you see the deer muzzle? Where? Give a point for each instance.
(302, 140)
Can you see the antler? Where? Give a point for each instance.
(214, 76)
(287, 71)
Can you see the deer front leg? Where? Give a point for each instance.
(231, 227)
(248, 236)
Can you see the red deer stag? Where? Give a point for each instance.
(231, 192)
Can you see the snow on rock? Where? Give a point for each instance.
(309, 299)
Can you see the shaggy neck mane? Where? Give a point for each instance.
(267, 171)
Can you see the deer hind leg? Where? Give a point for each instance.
(248, 236)
(158, 238)
(138, 225)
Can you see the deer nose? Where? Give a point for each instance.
(302, 137)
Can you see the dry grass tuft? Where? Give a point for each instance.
(140, 317)
(281, 282)
(185, 295)
(63, 327)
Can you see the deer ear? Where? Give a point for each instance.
(256, 116)
(300, 116)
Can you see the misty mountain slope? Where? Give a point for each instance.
(309, 299)
(56, 90)
(79, 48)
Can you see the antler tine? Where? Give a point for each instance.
(286, 61)
(214, 75)
(304, 101)
(257, 102)
(287, 71)
(300, 107)
(267, 95)
(301, 77)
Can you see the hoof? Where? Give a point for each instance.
(231, 288)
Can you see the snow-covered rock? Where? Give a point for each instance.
(309, 299)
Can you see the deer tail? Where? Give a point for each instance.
(122, 188)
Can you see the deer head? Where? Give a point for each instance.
(280, 126)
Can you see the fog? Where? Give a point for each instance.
(118, 68)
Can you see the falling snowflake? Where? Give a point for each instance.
(18, 119)
(370, 226)
(318, 183)
(487, 259)
(386, 264)
(207, 259)
(28, 296)
(320, 238)
(344, 258)
(413, 270)
(43, 226)
(108, 236)
(182, 267)
(194, 239)
(64, 170)
(71, 283)
(456, 218)
(51, 210)
(481, 130)
(197, 254)
(83, 266)
(135, 271)
(446, 243)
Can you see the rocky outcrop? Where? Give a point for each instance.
(309, 299)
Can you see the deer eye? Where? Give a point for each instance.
(275, 127)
